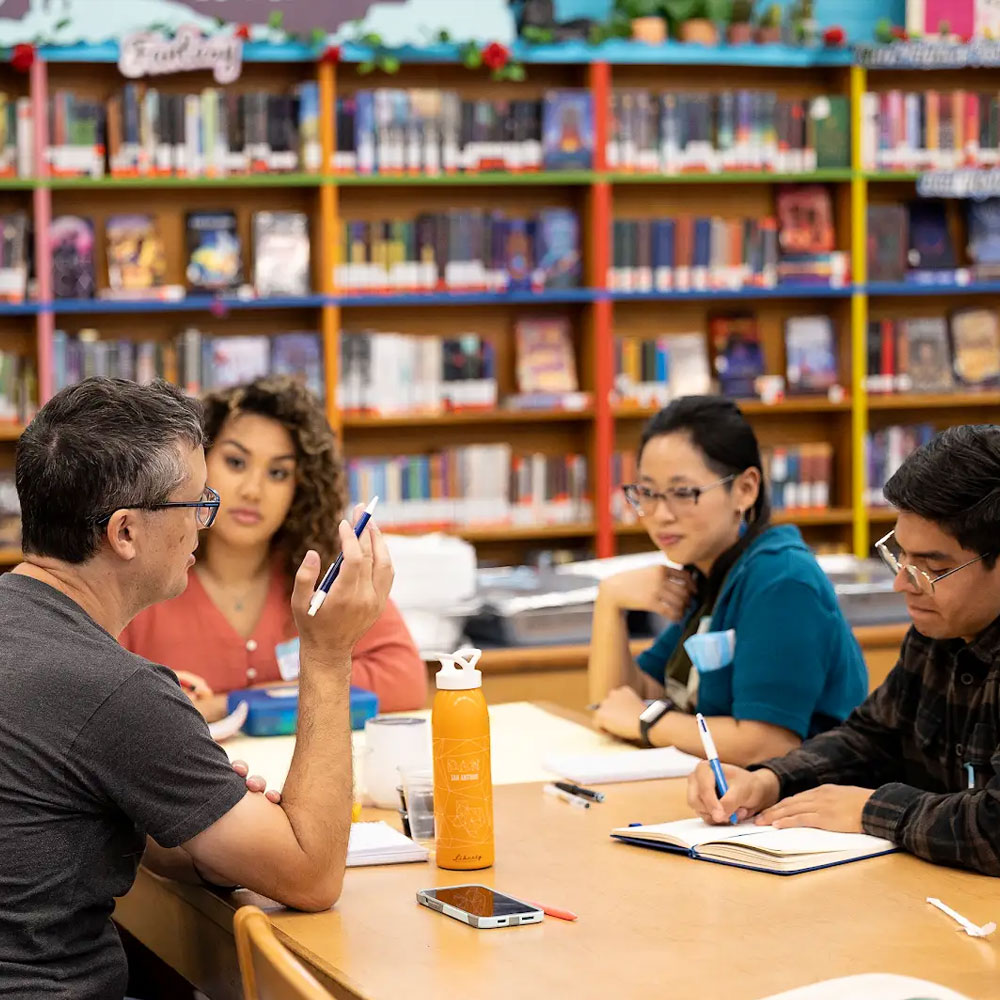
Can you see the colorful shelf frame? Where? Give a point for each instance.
(597, 299)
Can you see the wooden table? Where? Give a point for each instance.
(648, 921)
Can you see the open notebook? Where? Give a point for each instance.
(636, 765)
(379, 844)
(762, 848)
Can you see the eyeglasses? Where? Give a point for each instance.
(920, 579)
(206, 508)
(644, 500)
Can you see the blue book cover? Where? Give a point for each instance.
(558, 262)
(567, 130)
(739, 356)
(215, 260)
(984, 236)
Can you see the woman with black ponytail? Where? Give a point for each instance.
(793, 667)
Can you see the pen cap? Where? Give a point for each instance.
(458, 670)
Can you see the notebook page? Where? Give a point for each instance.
(379, 843)
(689, 832)
(633, 765)
(807, 840)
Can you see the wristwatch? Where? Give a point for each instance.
(650, 715)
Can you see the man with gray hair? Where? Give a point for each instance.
(103, 760)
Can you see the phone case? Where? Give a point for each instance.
(480, 923)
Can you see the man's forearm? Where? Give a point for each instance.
(318, 791)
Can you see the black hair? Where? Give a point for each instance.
(717, 428)
(96, 447)
(954, 481)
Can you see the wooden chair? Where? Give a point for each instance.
(268, 969)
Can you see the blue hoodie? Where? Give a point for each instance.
(797, 663)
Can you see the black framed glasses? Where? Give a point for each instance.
(644, 500)
(206, 508)
(890, 553)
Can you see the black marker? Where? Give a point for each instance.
(568, 786)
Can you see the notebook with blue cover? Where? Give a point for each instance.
(759, 848)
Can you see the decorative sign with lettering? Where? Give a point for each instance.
(929, 54)
(148, 53)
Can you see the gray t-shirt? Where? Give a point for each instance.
(98, 747)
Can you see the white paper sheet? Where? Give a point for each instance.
(871, 986)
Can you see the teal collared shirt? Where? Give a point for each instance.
(797, 663)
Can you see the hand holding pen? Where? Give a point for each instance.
(712, 757)
(354, 597)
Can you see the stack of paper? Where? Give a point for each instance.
(379, 844)
(636, 765)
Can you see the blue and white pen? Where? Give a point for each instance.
(331, 574)
(712, 757)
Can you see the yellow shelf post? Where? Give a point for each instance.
(859, 319)
(328, 226)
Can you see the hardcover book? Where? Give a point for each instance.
(567, 130)
(811, 364)
(214, 254)
(739, 356)
(281, 253)
(930, 244)
(545, 359)
(928, 357)
(975, 337)
(888, 241)
(72, 240)
(137, 260)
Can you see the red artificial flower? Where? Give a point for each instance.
(243, 32)
(899, 33)
(22, 57)
(331, 54)
(495, 56)
(834, 36)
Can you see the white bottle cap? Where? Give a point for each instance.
(458, 670)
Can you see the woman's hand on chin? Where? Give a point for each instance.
(619, 713)
(659, 589)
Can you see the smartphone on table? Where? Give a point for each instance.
(479, 906)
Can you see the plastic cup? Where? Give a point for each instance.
(418, 788)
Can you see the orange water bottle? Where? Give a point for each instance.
(463, 783)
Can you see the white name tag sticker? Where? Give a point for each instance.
(287, 654)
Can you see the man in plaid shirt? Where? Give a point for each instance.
(919, 761)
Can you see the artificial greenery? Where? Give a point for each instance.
(742, 12)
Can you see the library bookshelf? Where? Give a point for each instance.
(597, 313)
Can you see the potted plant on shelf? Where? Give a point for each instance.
(697, 20)
(645, 18)
(740, 30)
(805, 28)
(769, 29)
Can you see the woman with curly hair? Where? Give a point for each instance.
(273, 460)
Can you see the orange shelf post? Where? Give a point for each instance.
(602, 316)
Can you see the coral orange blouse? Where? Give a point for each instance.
(190, 633)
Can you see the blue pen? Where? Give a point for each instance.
(713, 759)
(331, 574)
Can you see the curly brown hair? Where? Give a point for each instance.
(320, 488)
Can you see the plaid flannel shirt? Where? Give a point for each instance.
(928, 741)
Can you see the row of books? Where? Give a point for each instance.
(194, 360)
(461, 249)
(391, 373)
(10, 512)
(137, 260)
(931, 129)
(17, 133)
(653, 371)
(730, 130)
(144, 132)
(18, 387)
(427, 131)
(885, 452)
(796, 246)
(799, 477)
(934, 354)
(913, 242)
(474, 485)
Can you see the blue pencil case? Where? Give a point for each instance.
(275, 711)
